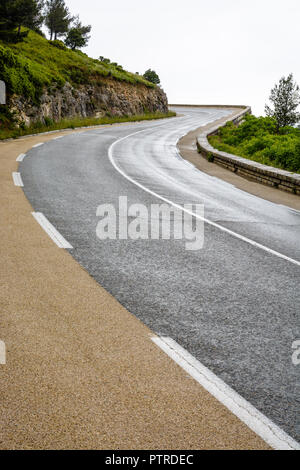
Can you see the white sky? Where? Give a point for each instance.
(205, 52)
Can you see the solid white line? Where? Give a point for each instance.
(60, 241)
(21, 157)
(17, 179)
(247, 413)
(209, 222)
(38, 145)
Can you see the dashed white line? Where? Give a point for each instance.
(21, 157)
(247, 413)
(38, 145)
(60, 241)
(207, 221)
(17, 179)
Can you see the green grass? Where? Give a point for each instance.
(77, 123)
(30, 66)
(257, 139)
(34, 63)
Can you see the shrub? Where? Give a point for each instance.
(257, 139)
(59, 44)
(7, 118)
(48, 121)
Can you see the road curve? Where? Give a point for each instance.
(234, 305)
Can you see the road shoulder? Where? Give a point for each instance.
(188, 150)
(82, 371)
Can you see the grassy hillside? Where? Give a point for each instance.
(257, 139)
(28, 66)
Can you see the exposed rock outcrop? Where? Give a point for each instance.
(111, 97)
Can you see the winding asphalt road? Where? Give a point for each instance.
(233, 305)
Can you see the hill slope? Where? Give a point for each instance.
(47, 81)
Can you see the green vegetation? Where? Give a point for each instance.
(285, 99)
(7, 131)
(152, 76)
(17, 13)
(77, 36)
(34, 63)
(57, 18)
(260, 140)
(29, 63)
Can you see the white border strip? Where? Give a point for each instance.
(17, 179)
(247, 413)
(21, 157)
(60, 241)
(168, 201)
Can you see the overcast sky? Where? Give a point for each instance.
(205, 52)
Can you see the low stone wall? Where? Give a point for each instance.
(249, 169)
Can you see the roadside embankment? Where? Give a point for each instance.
(47, 84)
(249, 169)
(188, 150)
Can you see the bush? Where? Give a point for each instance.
(20, 77)
(285, 152)
(59, 44)
(8, 119)
(48, 121)
(257, 139)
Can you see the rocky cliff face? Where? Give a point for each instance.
(111, 97)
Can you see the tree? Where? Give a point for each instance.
(104, 59)
(29, 14)
(152, 76)
(285, 98)
(57, 18)
(77, 36)
(7, 20)
(17, 13)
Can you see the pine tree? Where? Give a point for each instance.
(7, 21)
(77, 36)
(285, 98)
(28, 13)
(17, 13)
(57, 18)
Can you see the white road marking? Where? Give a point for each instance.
(209, 222)
(17, 179)
(2, 353)
(59, 137)
(21, 157)
(247, 413)
(38, 145)
(60, 241)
